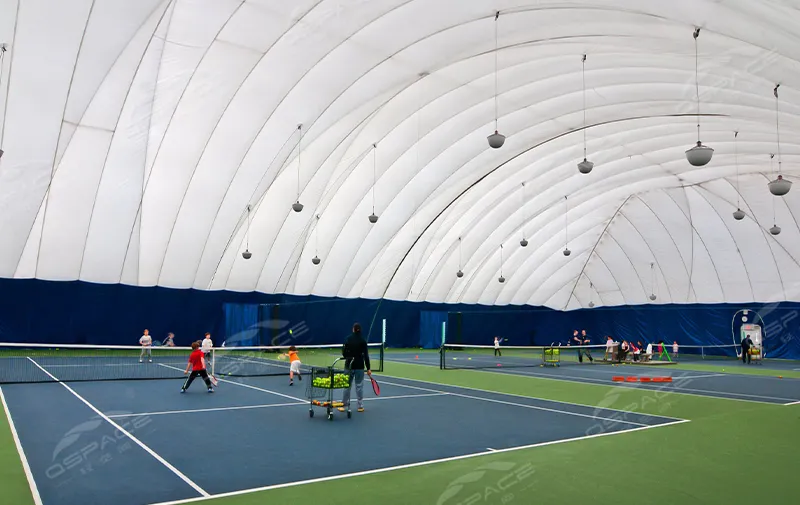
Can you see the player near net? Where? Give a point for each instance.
(206, 346)
(197, 363)
(147, 346)
(294, 365)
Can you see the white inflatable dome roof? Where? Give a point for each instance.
(137, 134)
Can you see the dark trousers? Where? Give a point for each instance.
(497, 352)
(195, 373)
(745, 355)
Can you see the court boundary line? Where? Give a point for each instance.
(536, 397)
(122, 430)
(492, 400)
(627, 365)
(37, 498)
(414, 465)
(588, 381)
(792, 403)
(651, 387)
(261, 406)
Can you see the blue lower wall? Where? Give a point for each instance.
(85, 313)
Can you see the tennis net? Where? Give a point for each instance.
(455, 356)
(705, 352)
(24, 363)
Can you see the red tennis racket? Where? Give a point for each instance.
(375, 387)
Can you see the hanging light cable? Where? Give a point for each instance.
(584, 166)
(652, 282)
(501, 279)
(591, 294)
(247, 254)
(459, 274)
(779, 186)
(738, 214)
(297, 206)
(373, 218)
(698, 155)
(315, 260)
(3, 122)
(524, 241)
(496, 139)
(567, 252)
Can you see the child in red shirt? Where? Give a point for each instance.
(198, 365)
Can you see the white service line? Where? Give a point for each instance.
(126, 433)
(533, 397)
(414, 465)
(210, 409)
(228, 381)
(37, 499)
(490, 449)
(262, 406)
(518, 404)
(792, 403)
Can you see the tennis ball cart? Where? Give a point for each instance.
(324, 382)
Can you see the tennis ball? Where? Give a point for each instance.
(780, 376)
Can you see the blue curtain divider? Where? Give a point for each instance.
(112, 314)
(430, 328)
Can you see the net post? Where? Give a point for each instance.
(442, 365)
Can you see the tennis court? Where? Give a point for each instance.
(138, 442)
(722, 383)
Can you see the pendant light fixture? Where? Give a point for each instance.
(698, 155)
(496, 139)
(567, 252)
(738, 214)
(775, 230)
(524, 241)
(315, 260)
(584, 166)
(779, 186)
(297, 206)
(652, 282)
(459, 274)
(247, 254)
(501, 279)
(373, 218)
(591, 295)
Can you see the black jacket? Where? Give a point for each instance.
(355, 352)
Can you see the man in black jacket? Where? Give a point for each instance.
(356, 354)
(747, 343)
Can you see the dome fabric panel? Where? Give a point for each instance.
(136, 135)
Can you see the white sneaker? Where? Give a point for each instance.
(140, 361)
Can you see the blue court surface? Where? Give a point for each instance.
(141, 442)
(728, 384)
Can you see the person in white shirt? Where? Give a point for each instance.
(147, 344)
(675, 349)
(609, 349)
(206, 347)
(170, 340)
(497, 346)
(649, 351)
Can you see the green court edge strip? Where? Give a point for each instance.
(412, 465)
(122, 430)
(37, 499)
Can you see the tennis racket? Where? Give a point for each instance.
(375, 386)
(213, 380)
